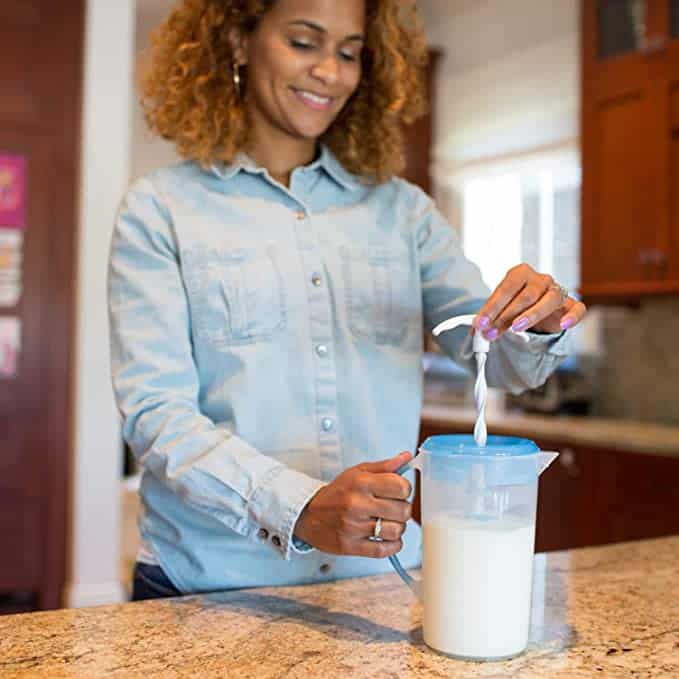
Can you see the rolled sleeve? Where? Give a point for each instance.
(516, 365)
(156, 386)
(277, 504)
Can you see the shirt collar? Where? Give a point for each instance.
(328, 161)
(325, 161)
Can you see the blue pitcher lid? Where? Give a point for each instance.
(507, 460)
(464, 444)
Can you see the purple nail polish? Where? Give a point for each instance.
(520, 325)
(567, 323)
(492, 334)
(484, 322)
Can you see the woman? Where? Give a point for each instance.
(267, 297)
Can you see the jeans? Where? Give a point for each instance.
(150, 582)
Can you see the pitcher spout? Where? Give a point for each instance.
(545, 459)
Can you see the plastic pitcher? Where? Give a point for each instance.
(478, 521)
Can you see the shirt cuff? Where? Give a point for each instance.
(556, 343)
(276, 505)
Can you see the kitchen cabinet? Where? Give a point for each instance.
(597, 495)
(630, 149)
(418, 137)
(638, 496)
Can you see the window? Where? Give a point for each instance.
(523, 212)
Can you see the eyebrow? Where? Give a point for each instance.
(319, 29)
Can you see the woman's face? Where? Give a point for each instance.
(304, 63)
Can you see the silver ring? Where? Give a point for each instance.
(563, 291)
(377, 531)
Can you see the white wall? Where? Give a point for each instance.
(94, 573)
(148, 151)
(509, 80)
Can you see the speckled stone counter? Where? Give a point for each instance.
(624, 435)
(607, 611)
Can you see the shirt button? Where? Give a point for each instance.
(263, 533)
(276, 540)
(316, 279)
(300, 214)
(327, 424)
(322, 350)
(324, 568)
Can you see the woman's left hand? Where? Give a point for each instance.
(528, 300)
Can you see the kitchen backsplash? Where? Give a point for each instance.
(639, 364)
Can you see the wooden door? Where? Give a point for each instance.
(22, 398)
(40, 83)
(623, 201)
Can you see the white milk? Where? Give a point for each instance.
(477, 586)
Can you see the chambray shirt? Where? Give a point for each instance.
(264, 339)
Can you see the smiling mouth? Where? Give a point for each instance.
(313, 101)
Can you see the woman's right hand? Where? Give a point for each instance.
(341, 517)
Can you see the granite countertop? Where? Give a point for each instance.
(608, 611)
(626, 435)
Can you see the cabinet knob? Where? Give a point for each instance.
(658, 260)
(653, 45)
(657, 256)
(569, 462)
(653, 257)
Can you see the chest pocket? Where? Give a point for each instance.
(236, 296)
(379, 294)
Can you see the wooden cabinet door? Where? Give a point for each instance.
(638, 496)
(630, 149)
(566, 496)
(668, 255)
(23, 430)
(623, 202)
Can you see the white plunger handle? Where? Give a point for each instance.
(453, 322)
(480, 398)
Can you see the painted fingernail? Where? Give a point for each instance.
(567, 323)
(484, 322)
(492, 334)
(520, 325)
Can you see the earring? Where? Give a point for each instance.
(236, 78)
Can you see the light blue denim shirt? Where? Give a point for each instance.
(264, 339)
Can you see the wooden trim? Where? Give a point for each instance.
(596, 292)
(587, 207)
(63, 308)
(589, 34)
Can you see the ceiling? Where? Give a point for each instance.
(154, 10)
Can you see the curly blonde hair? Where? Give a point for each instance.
(189, 98)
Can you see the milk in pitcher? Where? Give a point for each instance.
(477, 585)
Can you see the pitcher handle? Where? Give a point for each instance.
(414, 584)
